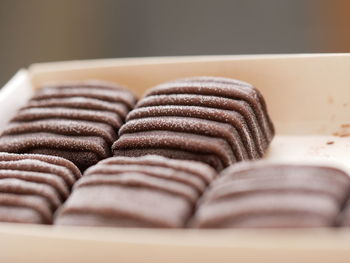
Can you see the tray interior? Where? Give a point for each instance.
(308, 97)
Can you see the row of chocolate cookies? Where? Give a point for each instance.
(33, 186)
(148, 191)
(274, 195)
(76, 121)
(214, 120)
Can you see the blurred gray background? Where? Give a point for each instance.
(41, 30)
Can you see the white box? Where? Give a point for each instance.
(308, 97)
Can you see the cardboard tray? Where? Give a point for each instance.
(308, 97)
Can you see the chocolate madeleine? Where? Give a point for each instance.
(32, 187)
(273, 196)
(76, 121)
(122, 191)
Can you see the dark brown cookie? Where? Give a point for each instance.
(123, 191)
(64, 127)
(21, 187)
(221, 87)
(34, 114)
(142, 180)
(273, 195)
(269, 210)
(292, 184)
(235, 83)
(218, 115)
(78, 121)
(67, 147)
(124, 206)
(14, 203)
(82, 159)
(200, 109)
(243, 171)
(175, 154)
(56, 161)
(80, 103)
(33, 165)
(239, 106)
(190, 125)
(110, 95)
(202, 171)
(21, 214)
(50, 179)
(175, 140)
(185, 178)
(32, 187)
(91, 83)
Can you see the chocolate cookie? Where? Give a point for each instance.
(47, 159)
(273, 195)
(64, 127)
(95, 92)
(224, 121)
(245, 149)
(34, 114)
(81, 150)
(76, 121)
(232, 118)
(31, 209)
(202, 171)
(151, 171)
(122, 191)
(80, 103)
(190, 125)
(241, 108)
(210, 159)
(221, 87)
(176, 140)
(32, 187)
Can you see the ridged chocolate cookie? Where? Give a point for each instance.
(76, 121)
(273, 196)
(176, 140)
(221, 87)
(148, 191)
(80, 103)
(224, 121)
(32, 186)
